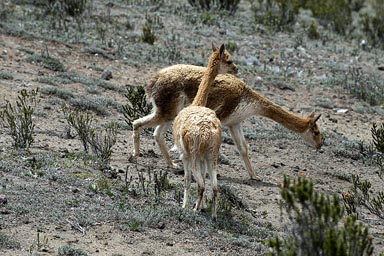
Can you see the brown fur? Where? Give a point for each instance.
(174, 87)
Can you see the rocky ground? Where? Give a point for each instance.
(58, 202)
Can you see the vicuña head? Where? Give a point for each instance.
(226, 64)
(312, 135)
(220, 62)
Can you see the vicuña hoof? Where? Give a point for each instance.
(256, 178)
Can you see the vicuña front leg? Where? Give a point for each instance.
(237, 135)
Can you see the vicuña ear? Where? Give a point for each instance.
(222, 49)
(314, 120)
(214, 48)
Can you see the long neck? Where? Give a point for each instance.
(267, 108)
(208, 79)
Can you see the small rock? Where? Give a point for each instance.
(252, 61)
(161, 225)
(283, 86)
(3, 200)
(106, 75)
(342, 111)
(258, 80)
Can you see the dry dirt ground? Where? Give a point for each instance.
(50, 190)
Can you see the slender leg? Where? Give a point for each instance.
(187, 179)
(213, 177)
(150, 120)
(237, 135)
(159, 135)
(200, 186)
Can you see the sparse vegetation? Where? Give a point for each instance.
(228, 5)
(67, 250)
(6, 75)
(7, 242)
(17, 118)
(47, 61)
(362, 195)
(101, 142)
(81, 122)
(148, 35)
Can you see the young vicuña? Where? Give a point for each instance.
(197, 132)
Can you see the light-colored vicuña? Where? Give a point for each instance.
(173, 88)
(197, 132)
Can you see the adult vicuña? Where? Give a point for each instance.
(173, 88)
(197, 132)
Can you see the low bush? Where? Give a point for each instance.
(137, 105)
(18, 118)
(228, 5)
(315, 224)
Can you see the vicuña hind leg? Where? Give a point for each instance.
(187, 179)
(150, 120)
(200, 189)
(237, 135)
(159, 135)
(215, 190)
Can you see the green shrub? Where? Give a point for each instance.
(81, 122)
(229, 5)
(6, 75)
(362, 195)
(373, 24)
(148, 36)
(315, 228)
(57, 10)
(313, 32)
(18, 119)
(8, 243)
(282, 14)
(67, 250)
(364, 86)
(378, 137)
(137, 105)
(278, 15)
(60, 93)
(101, 142)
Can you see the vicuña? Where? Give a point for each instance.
(173, 88)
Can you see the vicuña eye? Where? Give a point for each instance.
(316, 133)
(229, 62)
